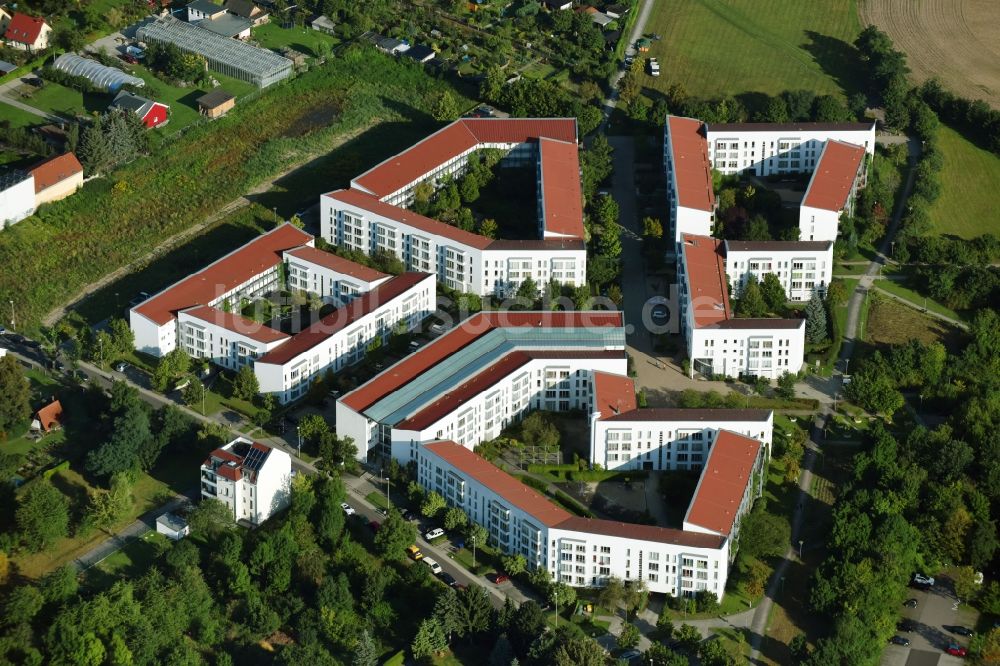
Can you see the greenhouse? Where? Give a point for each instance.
(224, 55)
(102, 76)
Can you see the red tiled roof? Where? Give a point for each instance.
(336, 264)
(523, 497)
(690, 164)
(50, 415)
(343, 317)
(236, 323)
(641, 532)
(706, 272)
(24, 29)
(373, 205)
(834, 176)
(613, 394)
(55, 170)
(229, 472)
(562, 197)
(463, 334)
(723, 482)
(521, 130)
(452, 400)
(682, 414)
(232, 270)
(225, 455)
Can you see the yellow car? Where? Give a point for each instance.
(414, 552)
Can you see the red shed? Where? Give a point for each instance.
(152, 114)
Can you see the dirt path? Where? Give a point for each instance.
(179, 238)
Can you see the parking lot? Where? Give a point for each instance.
(936, 608)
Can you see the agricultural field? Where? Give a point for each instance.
(968, 179)
(957, 41)
(727, 47)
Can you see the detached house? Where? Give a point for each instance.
(57, 178)
(27, 33)
(252, 479)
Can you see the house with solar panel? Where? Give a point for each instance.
(252, 479)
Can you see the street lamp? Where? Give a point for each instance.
(13, 321)
(801, 541)
(298, 431)
(473, 540)
(555, 602)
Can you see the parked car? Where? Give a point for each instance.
(907, 626)
(910, 603)
(414, 553)
(435, 533)
(956, 650)
(920, 579)
(81, 376)
(435, 567)
(414, 345)
(961, 631)
(447, 579)
(121, 366)
(437, 329)
(899, 640)
(497, 578)
(374, 526)
(348, 509)
(129, 58)
(630, 655)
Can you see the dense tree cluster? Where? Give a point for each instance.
(979, 122)
(112, 139)
(169, 60)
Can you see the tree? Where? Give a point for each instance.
(764, 534)
(313, 427)
(660, 655)
(42, 515)
(750, 302)
(15, 393)
(211, 517)
(786, 386)
(194, 393)
(816, 326)
(629, 637)
(502, 653)
(433, 504)
(448, 613)
(652, 227)
(22, 605)
(612, 594)
(475, 610)
(526, 625)
(563, 595)
(121, 337)
(245, 384)
(773, 293)
(873, 388)
(394, 536)
(489, 228)
(95, 152)
(577, 650)
(455, 518)
(429, 641)
(528, 289)
(713, 653)
(446, 108)
(128, 447)
(514, 565)
(108, 507)
(536, 430)
(366, 651)
(688, 637)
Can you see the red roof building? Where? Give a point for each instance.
(705, 268)
(613, 394)
(152, 114)
(724, 491)
(691, 166)
(49, 417)
(57, 178)
(836, 176)
(27, 33)
(337, 264)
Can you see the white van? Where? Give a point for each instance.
(435, 567)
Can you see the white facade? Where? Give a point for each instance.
(670, 439)
(17, 197)
(758, 347)
(556, 385)
(332, 285)
(764, 149)
(580, 552)
(343, 337)
(802, 267)
(818, 223)
(253, 480)
(472, 266)
(689, 178)
(230, 343)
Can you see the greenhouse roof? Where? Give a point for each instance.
(102, 76)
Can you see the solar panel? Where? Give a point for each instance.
(255, 459)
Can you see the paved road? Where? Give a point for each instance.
(638, 30)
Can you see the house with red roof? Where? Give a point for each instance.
(27, 33)
(252, 479)
(371, 215)
(57, 178)
(152, 114)
(48, 418)
(840, 172)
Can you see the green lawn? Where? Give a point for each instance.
(918, 300)
(132, 561)
(968, 180)
(58, 99)
(303, 40)
(723, 47)
(18, 117)
(377, 499)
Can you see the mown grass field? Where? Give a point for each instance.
(893, 323)
(727, 47)
(969, 178)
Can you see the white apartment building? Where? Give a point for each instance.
(371, 216)
(226, 339)
(689, 178)
(718, 343)
(253, 480)
(479, 377)
(670, 439)
(17, 197)
(334, 279)
(842, 169)
(765, 149)
(585, 552)
(802, 267)
(343, 337)
(247, 272)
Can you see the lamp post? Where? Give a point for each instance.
(801, 541)
(473, 540)
(13, 320)
(555, 602)
(298, 431)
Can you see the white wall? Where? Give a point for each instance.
(503, 270)
(669, 444)
(777, 152)
(274, 486)
(801, 272)
(224, 347)
(818, 224)
(729, 351)
(356, 426)
(151, 338)
(17, 202)
(690, 221)
(330, 285)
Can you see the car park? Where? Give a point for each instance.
(437, 329)
(899, 640)
(348, 509)
(435, 533)
(956, 650)
(81, 376)
(408, 515)
(910, 603)
(414, 345)
(435, 567)
(413, 552)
